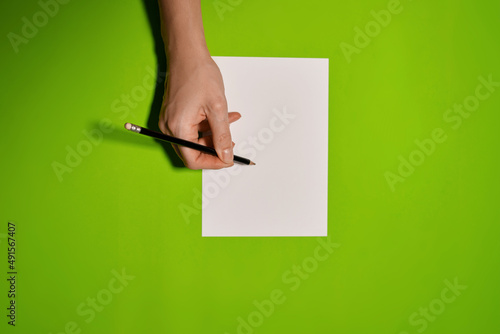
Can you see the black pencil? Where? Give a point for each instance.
(182, 142)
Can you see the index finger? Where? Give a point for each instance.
(217, 117)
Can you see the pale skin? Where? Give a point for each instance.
(194, 100)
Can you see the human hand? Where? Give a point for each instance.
(194, 102)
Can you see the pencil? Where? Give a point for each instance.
(182, 142)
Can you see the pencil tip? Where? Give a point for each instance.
(252, 163)
(128, 126)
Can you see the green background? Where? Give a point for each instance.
(120, 206)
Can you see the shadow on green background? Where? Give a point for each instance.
(153, 14)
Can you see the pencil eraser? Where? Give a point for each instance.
(128, 126)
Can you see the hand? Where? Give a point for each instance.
(193, 103)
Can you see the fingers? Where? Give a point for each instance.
(204, 127)
(218, 120)
(203, 160)
(233, 116)
(215, 120)
(163, 128)
(208, 141)
(194, 159)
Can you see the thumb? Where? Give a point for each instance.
(221, 136)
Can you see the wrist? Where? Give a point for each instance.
(187, 56)
(186, 52)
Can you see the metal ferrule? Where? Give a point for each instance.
(135, 128)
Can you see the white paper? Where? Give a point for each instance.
(284, 130)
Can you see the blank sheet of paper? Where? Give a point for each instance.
(284, 130)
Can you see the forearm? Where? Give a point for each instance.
(194, 99)
(182, 30)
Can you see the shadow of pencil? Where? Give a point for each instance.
(153, 13)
